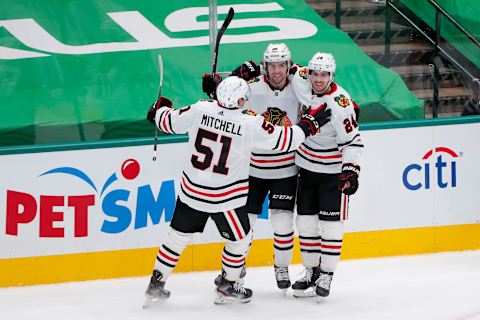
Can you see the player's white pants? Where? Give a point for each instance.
(282, 225)
(170, 251)
(310, 241)
(234, 255)
(332, 238)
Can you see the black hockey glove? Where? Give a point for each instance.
(247, 71)
(348, 180)
(161, 102)
(210, 83)
(311, 123)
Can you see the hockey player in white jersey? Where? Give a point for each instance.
(329, 169)
(214, 182)
(271, 171)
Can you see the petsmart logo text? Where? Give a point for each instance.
(416, 176)
(23, 208)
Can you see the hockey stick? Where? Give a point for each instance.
(160, 67)
(220, 33)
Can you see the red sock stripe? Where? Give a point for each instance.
(283, 241)
(233, 260)
(313, 244)
(330, 247)
(167, 257)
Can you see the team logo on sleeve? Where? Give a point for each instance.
(277, 117)
(303, 73)
(342, 101)
(249, 112)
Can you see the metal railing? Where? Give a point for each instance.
(439, 13)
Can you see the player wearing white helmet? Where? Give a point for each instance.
(214, 181)
(329, 169)
(273, 172)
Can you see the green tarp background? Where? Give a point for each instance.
(74, 97)
(465, 12)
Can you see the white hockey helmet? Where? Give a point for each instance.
(230, 90)
(277, 52)
(322, 61)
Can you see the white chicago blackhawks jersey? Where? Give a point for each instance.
(280, 107)
(215, 176)
(339, 141)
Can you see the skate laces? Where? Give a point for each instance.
(281, 273)
(324, 281)
(307, 275)
(237, 287)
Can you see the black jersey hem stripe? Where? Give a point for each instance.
(213, 202)
(273, 168)
(348, 142)
(356, 145)
(213, 188)
(272, 154)
(320, 150)
(319, 162)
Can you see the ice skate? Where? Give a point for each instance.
(220, 279)
(283, 279)
(156, 289)
(305, 287)
(323, 285)
(232, 292)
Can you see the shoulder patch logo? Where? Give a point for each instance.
(249, 112)
(303, 73)
(342, 101)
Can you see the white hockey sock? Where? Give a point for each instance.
(310, 241)
(282, 225)
(170, 251)
(233, 257)
(332, 238)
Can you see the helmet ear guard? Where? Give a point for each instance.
(232, 89)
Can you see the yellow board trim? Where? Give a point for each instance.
(139, 262)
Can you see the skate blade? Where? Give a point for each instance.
(284, 291)
(221, 299)
(307, 293)
(150, 300)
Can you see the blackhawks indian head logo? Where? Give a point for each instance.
(342, 101)
(277, 117)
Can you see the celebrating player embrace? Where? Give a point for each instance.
(214, 181)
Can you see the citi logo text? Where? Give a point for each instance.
(422, 175)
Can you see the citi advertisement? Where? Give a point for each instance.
(437, 166)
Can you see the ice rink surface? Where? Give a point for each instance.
(433, 286)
